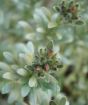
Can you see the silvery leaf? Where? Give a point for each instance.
(30, 47)
(8, 56)
(25, 90)
(6, 88)
(32, 82)
(4, 66)
(7, 75)
(52, 25)
(22, 72)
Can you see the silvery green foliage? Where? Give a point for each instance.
(73, 41)
(44, 21)
(19, 77)
(47, 24)
(42, 24)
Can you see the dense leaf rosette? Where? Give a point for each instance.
(26, 73)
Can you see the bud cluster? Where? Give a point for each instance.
(45, 60)
(68, 11)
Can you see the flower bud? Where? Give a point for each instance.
(46, 67)
(50, 53)
(37, 68)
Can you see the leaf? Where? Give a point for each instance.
(61, 99)
(30, 47)
(45, 96)
(40, 30)
(52, 25)
(15, 95)
(6, 88)
(40, 16)
(12, 97)
(46, 12)
(4, 66)
(8, 56)
(33, 98)
(25, 90)
(21, 48)
(22, 58)
(32, 82)
(51, 83)
(67, 103)
(56, 8)
(50, 45)
(39, 97)
(23, 24)
(22, 72)
(7, 75)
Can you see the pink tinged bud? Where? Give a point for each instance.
(46, 67)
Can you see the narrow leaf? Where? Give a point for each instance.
(25, 90)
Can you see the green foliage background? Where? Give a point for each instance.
(36, 20)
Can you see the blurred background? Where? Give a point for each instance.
(36, 20)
